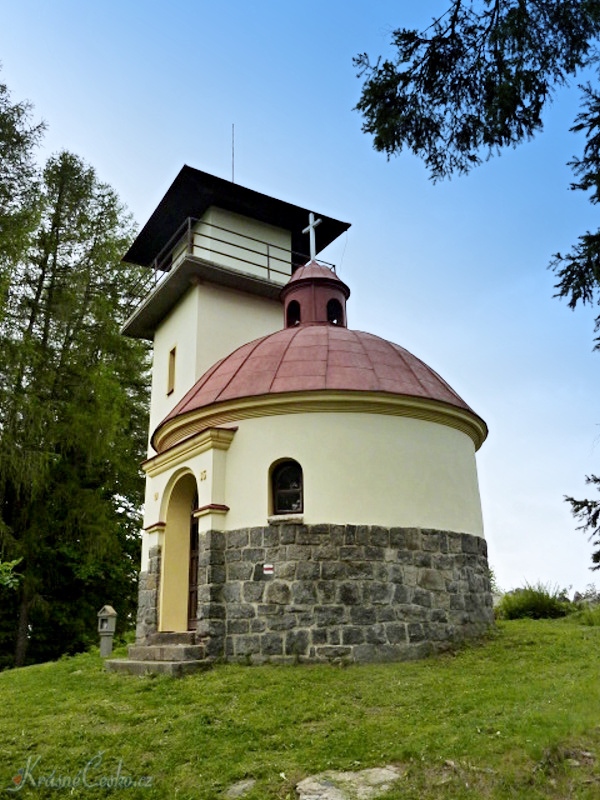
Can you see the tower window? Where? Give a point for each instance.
(335, 312)
(171, 371)
(292, 314)
(287, 488)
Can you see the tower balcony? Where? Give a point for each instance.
(229, 248)
(205, 250)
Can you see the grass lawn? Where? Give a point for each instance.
(517, 716)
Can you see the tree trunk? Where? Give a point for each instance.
(22, 631)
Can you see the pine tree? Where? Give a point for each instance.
(18, 188)
(73, 399)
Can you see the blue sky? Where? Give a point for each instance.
(456, 272)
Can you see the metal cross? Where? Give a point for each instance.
(312, 224)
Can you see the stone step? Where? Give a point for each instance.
(173, 637)
(175, 669)
(166, 652)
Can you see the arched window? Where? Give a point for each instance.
(286, 484)
(293, 314)
(335, 312)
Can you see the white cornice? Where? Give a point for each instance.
(185, 428)
(183, 448)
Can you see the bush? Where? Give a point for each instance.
(587, 604)
(535, 602)
(589, 616)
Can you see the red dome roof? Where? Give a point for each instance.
(317, 357)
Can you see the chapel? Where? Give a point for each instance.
(311, 489)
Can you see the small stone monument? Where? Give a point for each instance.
(107, 623)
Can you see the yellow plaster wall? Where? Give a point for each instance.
(228, 319)
(246, 245)
(209, 323)
(176, 330)
(358, 469)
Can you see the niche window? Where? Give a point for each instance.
(171, 371)
(293, 314)
(286, 483)
(335, 312)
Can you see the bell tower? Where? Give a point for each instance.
(315, 294)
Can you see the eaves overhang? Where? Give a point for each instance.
(193, 192)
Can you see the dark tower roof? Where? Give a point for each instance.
(193, 192)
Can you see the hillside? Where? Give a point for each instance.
(517, 716)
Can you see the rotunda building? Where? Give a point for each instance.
(311, 490)
(344, 521)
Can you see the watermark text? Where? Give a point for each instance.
(94, 774)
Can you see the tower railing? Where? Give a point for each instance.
(226, 248)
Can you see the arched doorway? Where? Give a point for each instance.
(179, 581)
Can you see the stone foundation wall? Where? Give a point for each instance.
(338, 592)
(148, 594)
